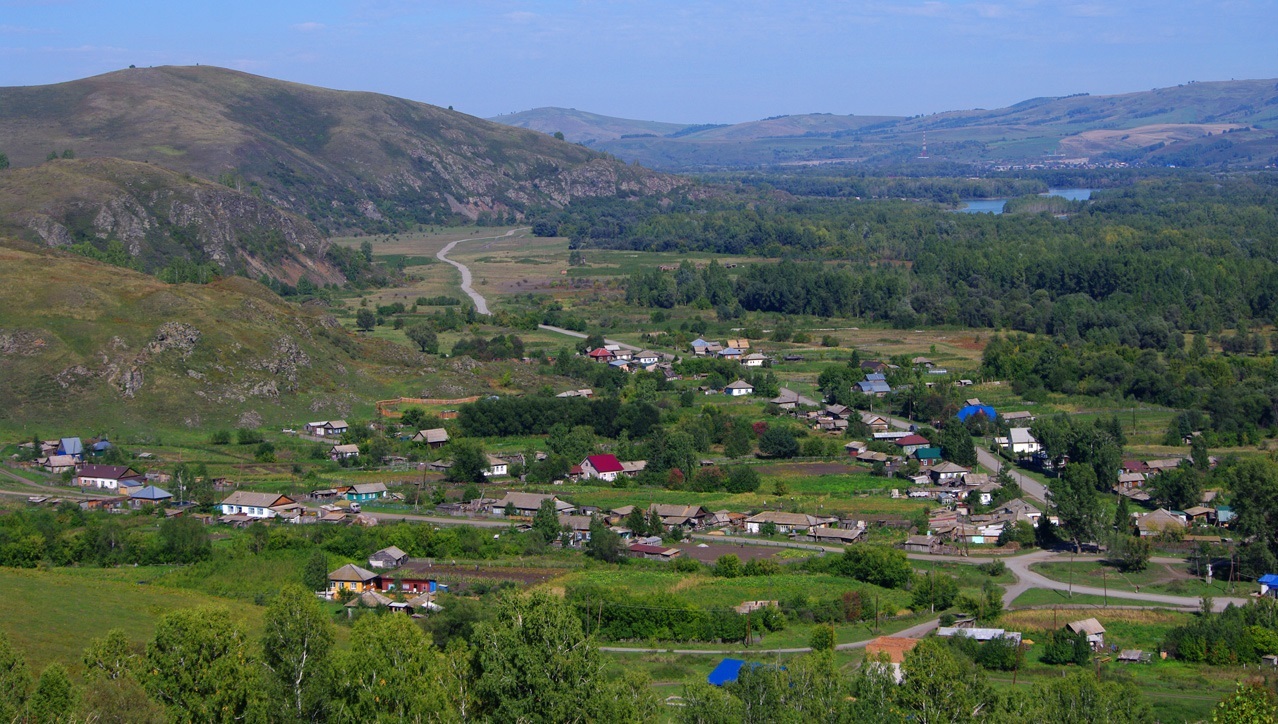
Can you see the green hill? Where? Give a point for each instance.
(584, 127)
(161, 219)
(343, 159)
(84, 342)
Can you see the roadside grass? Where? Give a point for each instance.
(1156, 578)
(1047, 597)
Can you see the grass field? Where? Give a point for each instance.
(1046, 597)
(1176, 580)
(52, 615)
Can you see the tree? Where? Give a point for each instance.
(739, 441)
(424, 337)
(1251, 703)
(604, 544)
(15, 681)
(822, 638)
(637, 522)
(315, 571)
(4, 161)
(778, 442)
(1122, 516)
(536, 664)
(111, 657)
(391, 672)
(1135, 554)
(742, 479)
(365, 320)
(1082, 699)
(956, 444)
(940, 686)
(53, 700)
(265, 453)
(880, 565)
(1177, 489)
(546, 521)
(185, 540)
(933, 592)
(119, 701)
(469, 462)
(1077, 505)
(559, 135)
(728, 566)
(198, 667)
(295, 648)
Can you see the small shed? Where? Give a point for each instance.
(1268, 584)
(1090, 627)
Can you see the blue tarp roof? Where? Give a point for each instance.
(970, 410)
(71, 446)
(1269, 579)
(726, 672)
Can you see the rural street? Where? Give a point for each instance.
(582, 335)
(1031, 487)
(481, 305)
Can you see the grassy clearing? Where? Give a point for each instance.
(1176, 580)
(1047, 597)
(52, 615)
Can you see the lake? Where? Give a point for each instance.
(995, 206)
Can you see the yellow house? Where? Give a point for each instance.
(351, 577)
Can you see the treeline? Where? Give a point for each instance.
(1234, 397)
(1236, 636)
(69, 536)
(821, 182)
(1136, 266)
(515, 416)
(616, 615)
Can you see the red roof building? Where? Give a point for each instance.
(601, 464)
(909, 440)
(599, 354)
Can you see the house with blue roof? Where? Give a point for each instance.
(71, 446)
(878, 388)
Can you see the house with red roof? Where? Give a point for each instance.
(604, 467)
(910, 443)
(600, 354)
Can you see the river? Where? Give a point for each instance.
(995, 206)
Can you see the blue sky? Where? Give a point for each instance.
(686, 61)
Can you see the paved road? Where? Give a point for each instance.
(481, 305)
(583, 335)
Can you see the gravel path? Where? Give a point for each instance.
(481, 304)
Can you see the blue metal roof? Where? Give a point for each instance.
(151, 492)
(970, 410)
(71, 446)
(1269, 579)
(876, 377)
(726, 672)
(873, 386)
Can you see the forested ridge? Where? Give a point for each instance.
(1135, 266)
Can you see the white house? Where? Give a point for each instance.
(254, 505)
(647, 357)
(326, 428)
(786, 522)
(496, 466)
(1021, 442)
(740, 388)
(754, 360)
(339, 452)
(105, 477)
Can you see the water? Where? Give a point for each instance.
(995, 206)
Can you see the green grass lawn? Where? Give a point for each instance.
(1157, 578)
(1047, 597)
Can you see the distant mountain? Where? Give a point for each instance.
(342, 159)
(160, 217)
(1196, 124)
(582, 127)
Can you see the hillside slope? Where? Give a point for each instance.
(340, 158)
(585, 127)
(161, 218)
(84, 342)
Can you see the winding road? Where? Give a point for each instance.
(481, 304)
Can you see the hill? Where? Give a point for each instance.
(342, 159)
(583, 127)
(84, 342)
(161, 219)
(1195, 124)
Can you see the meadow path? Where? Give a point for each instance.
(481, 304)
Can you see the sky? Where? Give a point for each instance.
(685, 61)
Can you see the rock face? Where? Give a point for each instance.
(339, 158)
(160, 216)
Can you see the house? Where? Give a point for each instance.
(876, 423)
(893, 649)
(789, 399)
(873, 365)
(679, 516)
(1020, 442)
(621, 364)
(920, 544)
(391, 557)
(754, 360)
(351, 577)
(343, 452)
(129, 486)
(1092, 628)
(742, 344)
(585, 392)
(785, 522)
(253, 505)
(1152, 524)
(603, 467)
(326, 428)
(1268, 584)
(910, 443)
(730, 353)
(1016, 510)
(878, 388)
(1018, 416)
(150, 495)
(633, 467)
(855, 447)
(527, 504)
(978, 634)
(702, 347)
(578, 527)
(435, 437)
(837, 536)
(922, 362)
(413, 577)
(647, 357)
(947, 473)
(362, 492)
(601, 354)
(1201, 514)
(105, 477)
(739, 388)
(496, 466)
(71, 446)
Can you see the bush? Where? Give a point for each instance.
(220, 437)
(993, 569)
(876, 564)
(247, 436)
(742, 479)
(778, 442)
(728, 566)
(934, 592)
(1066, 647)
(999, 654)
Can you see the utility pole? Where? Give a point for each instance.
(1105, 582)
(1071, 575)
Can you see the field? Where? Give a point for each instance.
(1176, 580)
